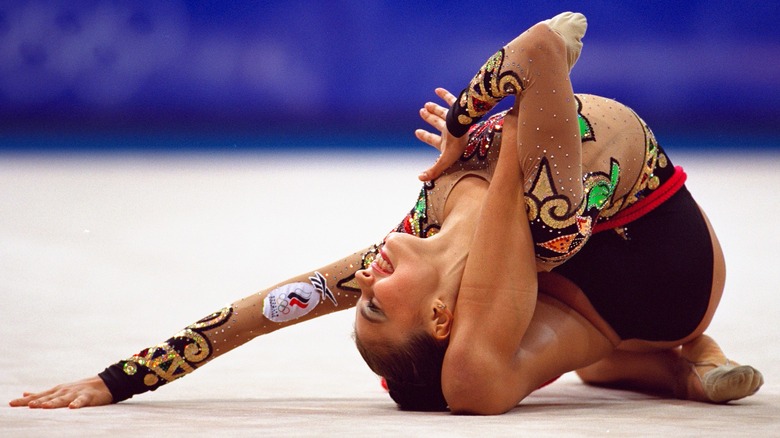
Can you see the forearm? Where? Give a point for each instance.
(497, 298)
(298, 299)
(500, 274)
(489, 86)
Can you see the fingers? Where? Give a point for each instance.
(17, 402)
(51, 402)
(432, 172)
(79, 402)
(446, 96)
(434, 115)
(88, 392)
(445, 160)
(30, 397)
(428, 138)
(51, 399)
(428, 174)
(437, 110)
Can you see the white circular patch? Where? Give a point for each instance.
(290, 301)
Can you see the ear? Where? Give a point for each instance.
(442, 320)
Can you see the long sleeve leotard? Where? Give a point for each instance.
(572, 190)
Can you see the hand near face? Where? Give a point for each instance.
(451, 147)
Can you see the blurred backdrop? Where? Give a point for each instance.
(177, 74)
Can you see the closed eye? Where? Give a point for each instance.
(371, 312)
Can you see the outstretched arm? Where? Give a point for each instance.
(298, 299)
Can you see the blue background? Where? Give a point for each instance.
(220, 75)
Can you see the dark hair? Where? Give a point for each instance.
(412, 371)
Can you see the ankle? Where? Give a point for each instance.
(571, 27)
(689, 381)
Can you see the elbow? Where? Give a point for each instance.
(479, 409)
(479, 402)
(477, 389)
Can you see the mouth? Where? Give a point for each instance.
(382, 264)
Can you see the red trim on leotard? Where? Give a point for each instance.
(646, 205)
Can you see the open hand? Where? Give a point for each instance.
(451, 147)
(87, 392)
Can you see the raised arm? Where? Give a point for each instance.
(496, 298)
(498, 292)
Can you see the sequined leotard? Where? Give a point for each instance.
(613, 175)
(622, 165)
(635, 212)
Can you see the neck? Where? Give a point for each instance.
(451, 245)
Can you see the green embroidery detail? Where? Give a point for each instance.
(586, 131)
(602, 190)
(421, 207)
(584, 128)
(413, 222)
(494, 61)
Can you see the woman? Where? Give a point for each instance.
(463, 319)
(566, 188)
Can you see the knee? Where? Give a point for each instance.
(585, 374)
(538, 41)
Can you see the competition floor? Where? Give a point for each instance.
(104, 255)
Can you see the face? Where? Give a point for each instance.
(398, 290)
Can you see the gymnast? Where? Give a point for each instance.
(467, 306)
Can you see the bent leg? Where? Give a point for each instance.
(699, 371)
(546, 130)
(559, 339)
(650, 372)
(543, 122)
